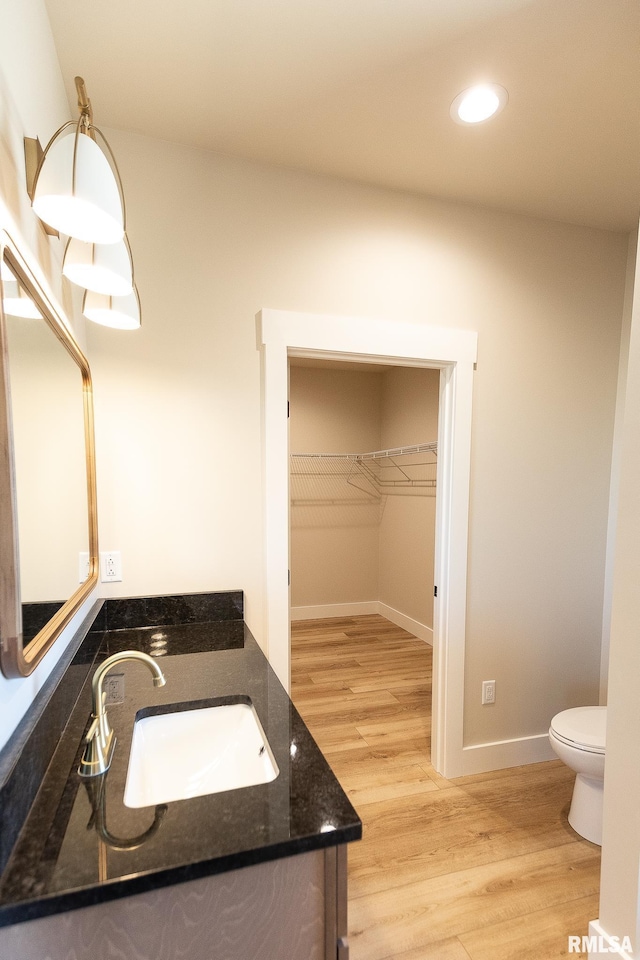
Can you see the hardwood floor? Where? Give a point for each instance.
(484, 867)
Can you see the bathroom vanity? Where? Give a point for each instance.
(257, 872)
(251, 872)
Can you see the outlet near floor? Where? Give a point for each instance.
(488, 691)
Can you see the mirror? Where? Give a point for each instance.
(48, 530)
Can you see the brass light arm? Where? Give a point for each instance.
(84, 105)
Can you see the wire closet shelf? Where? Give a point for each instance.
(363, 478)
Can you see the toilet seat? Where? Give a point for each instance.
(583, 728)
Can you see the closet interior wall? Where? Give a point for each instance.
(358, 552)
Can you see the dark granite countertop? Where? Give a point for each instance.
(81, 845)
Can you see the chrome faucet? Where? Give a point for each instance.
(100, 740)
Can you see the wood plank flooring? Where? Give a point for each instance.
(484, 867)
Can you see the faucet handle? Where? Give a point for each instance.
(91, 732)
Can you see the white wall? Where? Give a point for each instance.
(620, 887)
(407, 531)
(623, 362)
(32, 103)
(334, 410)
(334, 546)
(178, 402)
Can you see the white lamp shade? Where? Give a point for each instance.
(89, 206)
(123, 313)
(16, 302)
(103, 268)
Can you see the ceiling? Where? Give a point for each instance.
(361, 89)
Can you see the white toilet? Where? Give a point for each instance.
(578, 737)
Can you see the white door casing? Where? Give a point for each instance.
(282, 334)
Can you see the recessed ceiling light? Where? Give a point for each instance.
(477, 104)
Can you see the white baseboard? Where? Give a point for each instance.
(324, 611)
(483, 757)
(420, 630)
(601, 944)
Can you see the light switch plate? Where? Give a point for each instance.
(83, 566)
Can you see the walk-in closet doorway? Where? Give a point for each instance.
(363, 471)
(284, 334)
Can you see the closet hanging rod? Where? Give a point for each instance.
(431, 447)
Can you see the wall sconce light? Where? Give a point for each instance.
(75, 189)
(123, 313)
(16, 302)
(101, 267)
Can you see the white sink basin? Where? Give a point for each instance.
(189, 753)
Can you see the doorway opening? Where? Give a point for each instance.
(363, 471)
(284, 334)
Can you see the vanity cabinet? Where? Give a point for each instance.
(288, 909)
(255, 873)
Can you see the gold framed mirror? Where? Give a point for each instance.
(48, 523)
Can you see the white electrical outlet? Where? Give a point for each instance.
(488, 691)
(110, 566)
(83, 567)
(114, 688)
